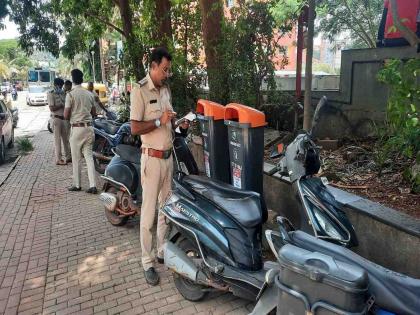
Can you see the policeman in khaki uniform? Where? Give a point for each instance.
(79, 109)
(152, 117)
(99, 107)
(56, 100)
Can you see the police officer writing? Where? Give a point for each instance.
(79, 109)
(152, 117)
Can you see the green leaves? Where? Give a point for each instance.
(248, 48)
(402, 135)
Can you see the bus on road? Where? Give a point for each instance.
(41, 76)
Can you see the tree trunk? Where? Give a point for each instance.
(101, 56)
(134, 48)
(408, 34)
(212, 17)
(307, 110)
(163, 18)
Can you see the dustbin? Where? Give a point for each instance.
(246, 146)
(215, 142)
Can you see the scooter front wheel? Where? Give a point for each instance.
(189, 289)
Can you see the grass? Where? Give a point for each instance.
(24, 145)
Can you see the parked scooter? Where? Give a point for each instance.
(388, 292)
(14, 94)
(320, 214)
(215, 243)
(109, 134)
(122, 190)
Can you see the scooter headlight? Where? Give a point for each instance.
(326, 225)
(172, 200)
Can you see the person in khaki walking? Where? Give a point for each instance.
(152, 117)
(79, 109)
(56, 100)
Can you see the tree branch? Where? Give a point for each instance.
(371, 43)
(119, 30)
(356, 30)
(408, 34)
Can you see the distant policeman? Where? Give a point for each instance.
(56, 100)
(67, 86)
(99, 107)
(79, 109)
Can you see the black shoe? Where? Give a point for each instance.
(160, 260)
(151, 276)
(74, 188)
(92, 190)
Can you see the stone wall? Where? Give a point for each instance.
(361, 101)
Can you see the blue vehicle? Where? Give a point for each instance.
(109, 134)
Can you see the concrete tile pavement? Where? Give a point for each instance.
(59, 255)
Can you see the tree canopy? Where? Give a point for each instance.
(356, 20)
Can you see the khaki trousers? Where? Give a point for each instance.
(61, 135)
(81, 140)
(156, 181)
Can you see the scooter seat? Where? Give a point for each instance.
(108, 126)
(244, 206)
(128, 153)
(393, 291)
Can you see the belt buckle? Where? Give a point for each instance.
(166, 154)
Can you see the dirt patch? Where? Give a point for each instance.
(352, 167)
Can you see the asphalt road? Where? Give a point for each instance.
(32, 119)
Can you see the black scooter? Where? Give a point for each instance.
(390, 292)
(215, 243)
(122, 192)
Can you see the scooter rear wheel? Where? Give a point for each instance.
(113, 217)
(189, 289)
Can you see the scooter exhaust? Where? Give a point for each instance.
(109, 201)
(179, 262)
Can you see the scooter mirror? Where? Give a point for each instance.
(190, 117)
(315, 120)
(277, 151)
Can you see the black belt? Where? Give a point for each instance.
(87, 124)
(59, 117)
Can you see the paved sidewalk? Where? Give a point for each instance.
(58, 254)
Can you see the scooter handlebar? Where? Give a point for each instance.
(273, 171)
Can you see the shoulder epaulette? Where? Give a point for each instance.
(143, 82)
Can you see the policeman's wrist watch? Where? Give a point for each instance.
(157, 123)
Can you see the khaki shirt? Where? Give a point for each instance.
(149, 103)
(98, 108)
(56, 99)
(80, 101)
